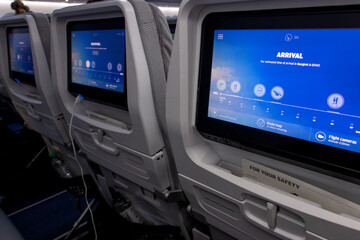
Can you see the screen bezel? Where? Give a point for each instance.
(99, 95)
(322, 158)
(20, 77)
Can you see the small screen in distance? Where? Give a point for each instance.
(98, 58)
(20, 55)
(301, 83)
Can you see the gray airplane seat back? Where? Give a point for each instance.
(246, 190)
(36, 102)
(124, 144)
(156, 37)
(43, 26)
(164, 35)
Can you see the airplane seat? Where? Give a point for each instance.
(165, 41)
(157, 46)
(8, 229)
(30, 85)
(119, 124)
(236, 129)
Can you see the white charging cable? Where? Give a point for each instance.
(77, 100)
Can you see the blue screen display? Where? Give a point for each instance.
(20, 51)
(300, 83)
(98, 58)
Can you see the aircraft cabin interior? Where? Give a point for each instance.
(179, 119)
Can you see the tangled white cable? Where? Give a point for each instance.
(77, 100)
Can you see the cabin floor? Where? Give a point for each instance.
(37, 200)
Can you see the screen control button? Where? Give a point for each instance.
(235, 86)
(259, 90)
(277, 93)
(119, 67)
(221, 84)
(335, 101)
(260, 122)
(109, 66)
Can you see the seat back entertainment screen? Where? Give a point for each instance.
(21, 66)
(96, 60)
(284, 82)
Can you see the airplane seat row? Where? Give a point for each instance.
(240, 124)
(117, 123)
(137, 165)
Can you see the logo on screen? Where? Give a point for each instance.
(288, 37)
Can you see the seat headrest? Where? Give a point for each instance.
(43, 25)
